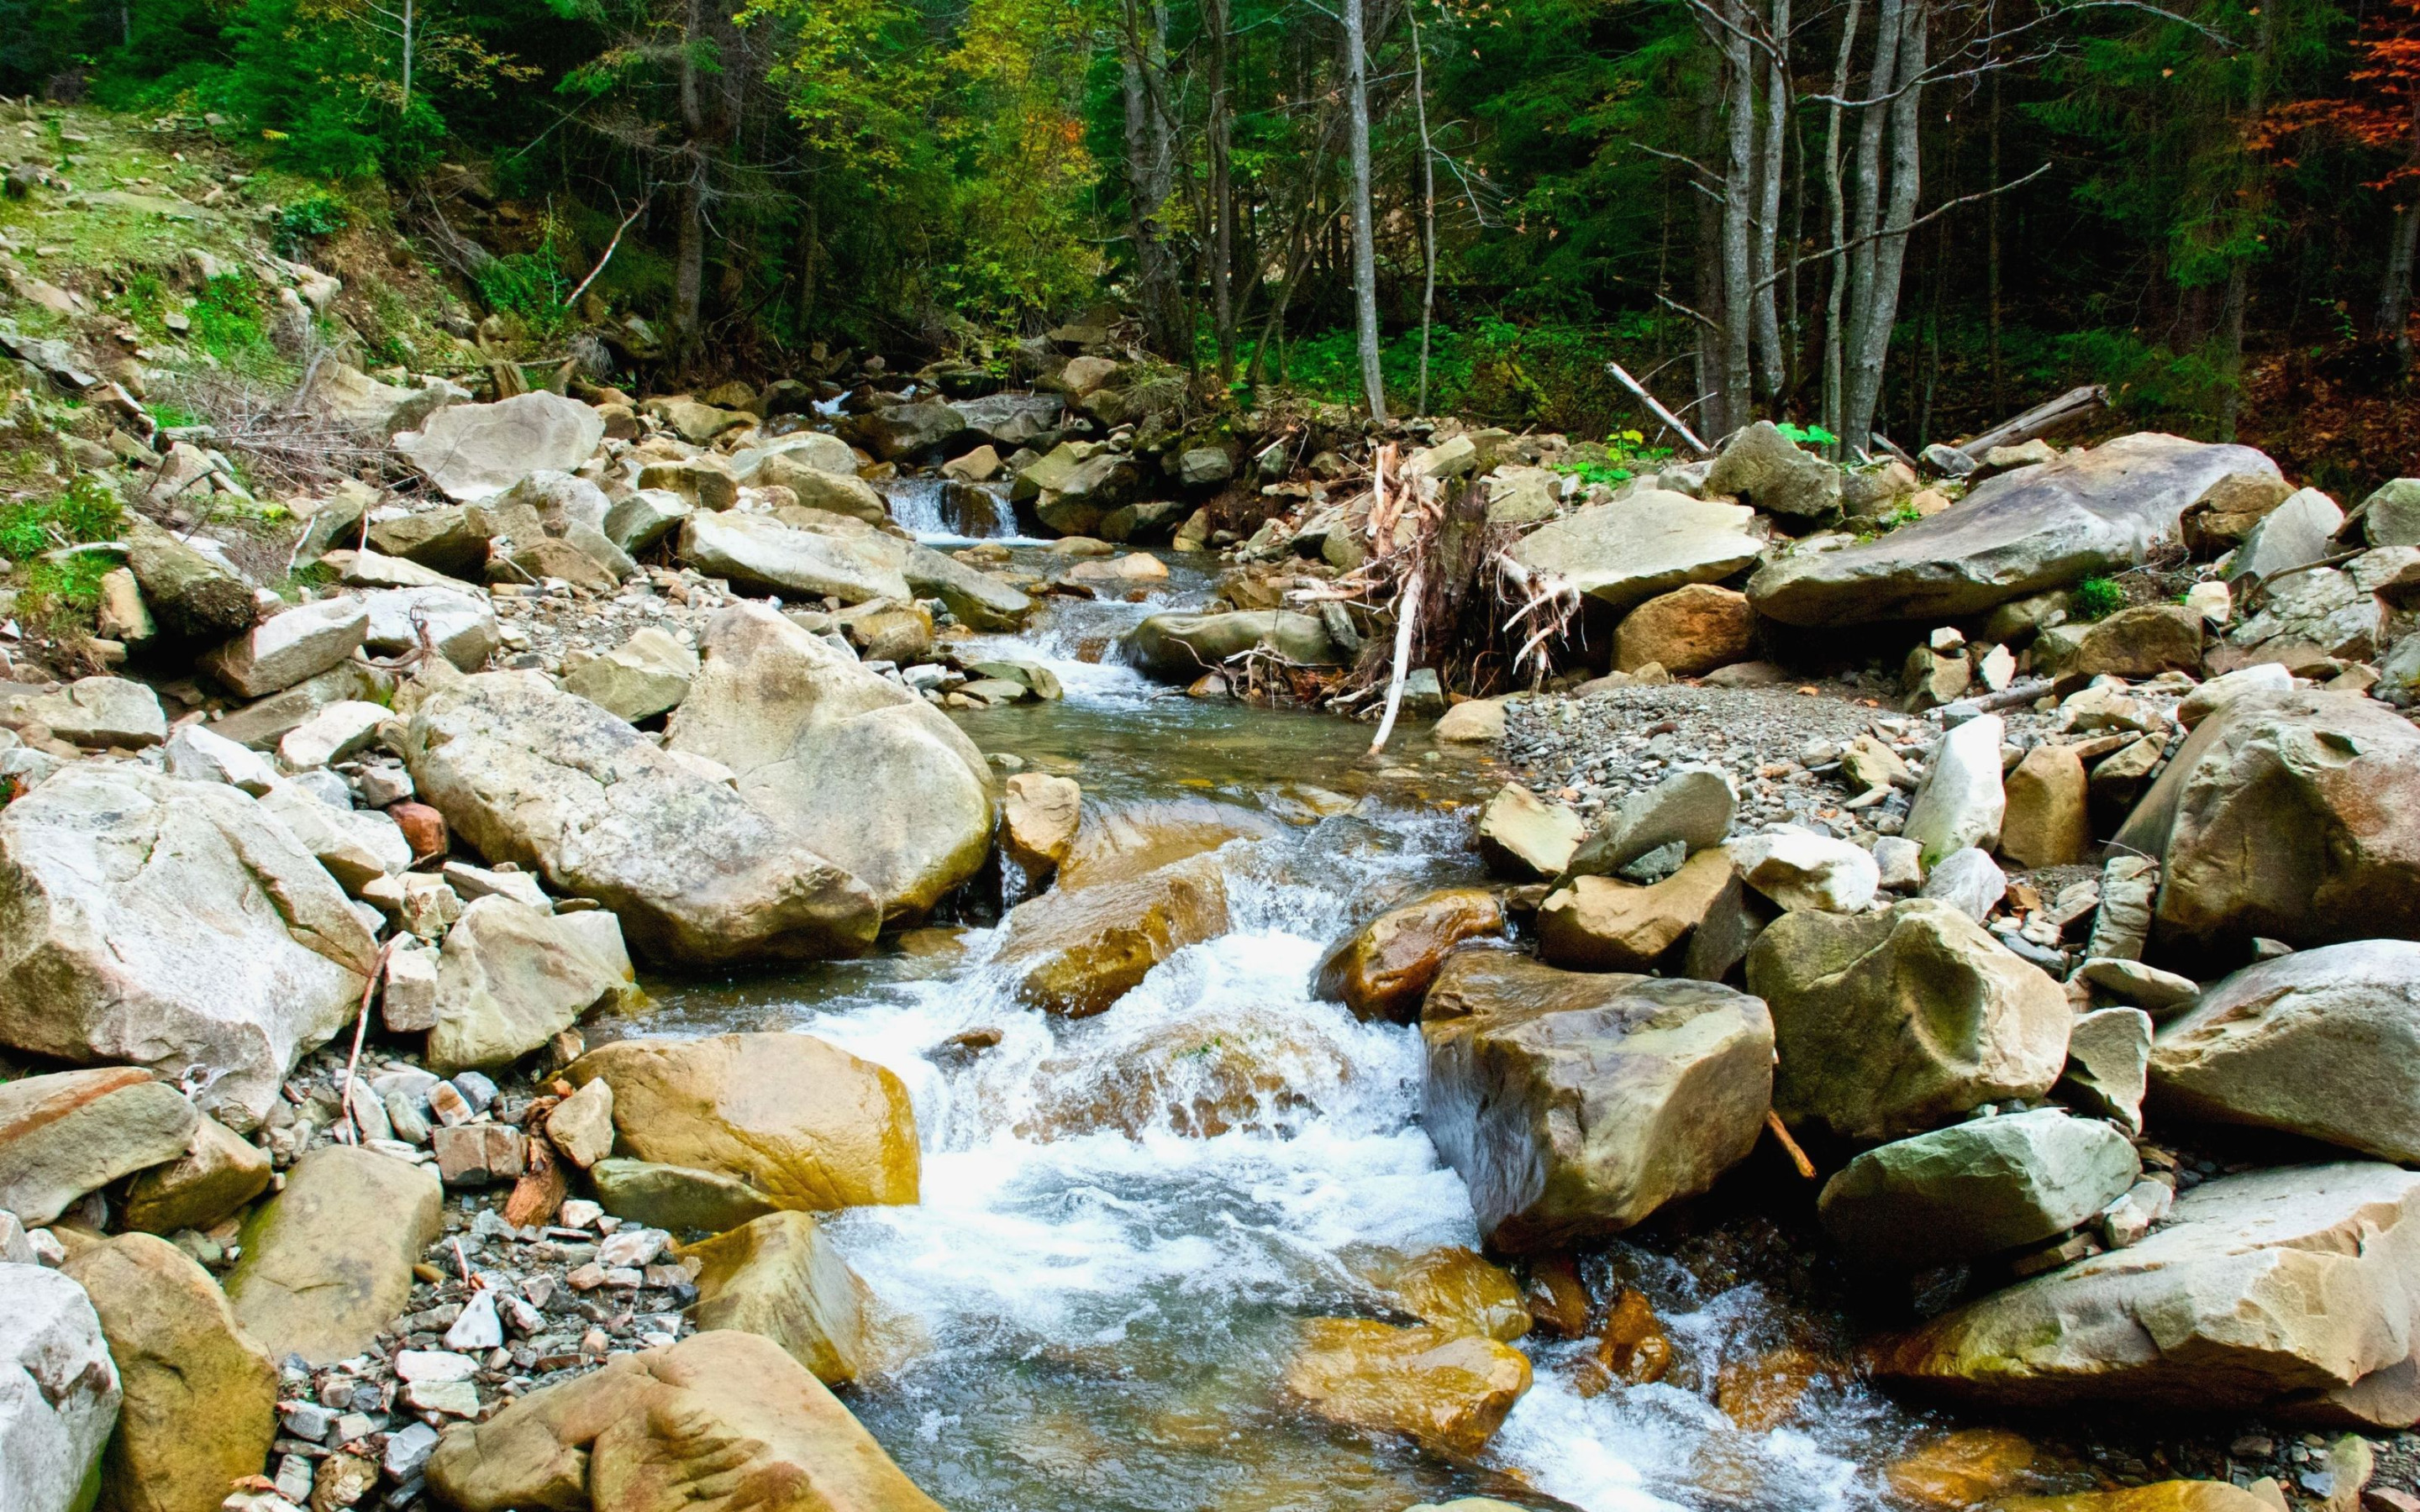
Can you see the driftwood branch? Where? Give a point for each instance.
(1622, 376)
(2043, 418)
(1406, 616)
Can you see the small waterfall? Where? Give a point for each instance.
(936, 509)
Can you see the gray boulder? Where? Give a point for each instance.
(2288, 1284)
(865, 773)
(1574, 1105)
(97, 711)
(59, 1391)
(977, 598)
(1010, 421)
(529, 774)
(172, 925)
(2324, 1044)
(282, 650)
(75, 1131)
(2296, 533)
(1178, 648)
(645, 675)
(1890, 1023)
(1766, 467)
(2391, 515)
(2291, 815)
(2037, 528)
(905, 430)
(2108, 1063)
(760, 552)
(1976, 1188)
(643, 516)
(1692, 809)
(471, 451)
(460, 623)
(511, 978)
(2307, 615)
(1644, 544)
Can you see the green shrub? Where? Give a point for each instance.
(229, 322)
(532, 287)
(318, 213)
(2097, 598)
(84, 511)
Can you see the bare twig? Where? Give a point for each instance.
(1623, 377)
(362, 1028)
(636, 212)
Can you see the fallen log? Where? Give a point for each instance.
(2049, 415)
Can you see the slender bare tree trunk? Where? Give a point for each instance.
(1869, 342)
(1365, 254)
(1713, 415)
(1771, 354)
(689, 265)
(1835, 296)
(1222, 195)
(2395, 293)
(1739, 216)
(1142, 59)
(1428, 207)
(1992, 260)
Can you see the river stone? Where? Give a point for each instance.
(1801, 869)
(1766, 467)
(977, 598)
(2296, 533)
(901, 431)
(698, 877)
(1523, 836)
(1075, 950)
(2391, 515)
(1117, 841)
(2046, 820)
(200, 1397)
(471, 451)
(218, 1173)
(59, 1390)
(1968, 881)
(1011, 420)
(1178, 648)
(2306, 617)
(837, 493)
(1692, 807)
(780, 1277)
(511, 978)
(1076, 499)
(330, 733)
(1577, 1104)
(197, 753)
(2275, 1282)
(2108, 1063)
(459, 622)
(2227, 509)
(1976, 1188)
(262, 724)
(706, 481)
(760, 552)
(862, 771)
(676, 1197)
(327, 1263)
(357, 846)
(1641, 545)
(648, 1431)
(1382, 970)
(2324, 1044)
(285, 649)
(2139, 642)
(694, 421)
(174, 925)
(1961, 799)
(1473, 721)
(643, 516)
(1446, 1391)
(884, 630)
(448, 539)
(1689, 632)
(1451, 1288)
(1890, 1023)
(1595, 923)
(1038, 820)
(809, 1125)
(75, 1131)
(2294, 816)
(2160, 1496)
(96, 711)
(193, 597)
(645, 675)
(2042, 527)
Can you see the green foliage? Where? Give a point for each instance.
(318, 213)
(532, 287)
(2097, 598)
(80, 512)
(1806, 435)
(230, 323)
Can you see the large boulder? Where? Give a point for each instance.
(1964, 797)
(2323, 1044)
(282, 650)
(864, 771)
(359, 402)
(645, 675)
(1075, 950)
(899, 431)
(2295, 816)
(1179, 648)
(978, 599)
(59, 1390)
(217, 1173)
(1116, 841)
(2037, 528)
(2288, 1283)
(1766, 467)
(1382, 970)
(460, 623)
(809, 1126)
(677, 1197)
(1445, 1390)
(94, 711)
(1010, 421)
(1890, 1023)
(781, 1278)
(1577, 1104)
(471, 451)
(807, 448)
(511, 978)
(1976, 1188)
(327, 1263)
(1604, 924)
(201, 1395)
(75, 1131)
(1521, 835)
(1644, 544)
(174, 925)
(1689, 632)
(698, 877)
(193, 597)
(760, 552)
(667, 1427)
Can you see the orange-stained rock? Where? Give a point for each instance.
(1446, 1392)
(1118, 842)
(1083, 945)
(1605, 924)
(1633, 1346)
(1761, 1394)
(1690, 631)
(1558, 1301)
(804, 1122)
(1965, 1469)
(1038, 815)
(1381, 969)
(1450, 1287)
(2046, 822)
(2160, 1496)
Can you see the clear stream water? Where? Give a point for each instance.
(1125, 1218)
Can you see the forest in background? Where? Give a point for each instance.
(1911, 217)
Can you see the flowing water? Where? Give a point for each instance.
(920, 507)
(1125, 1218)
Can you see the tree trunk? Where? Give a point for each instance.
(1771, 354)
(1142, 60)
(1222, 195)
(689, 267)
(1836, 294)
(2395, 295)
(1739, 216)
(2253, 198)
(1428, 208)
(1714, 416)
(1869, 342)
(1365, 254)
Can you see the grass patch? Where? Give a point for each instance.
(84, 511)
(2097, 598)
